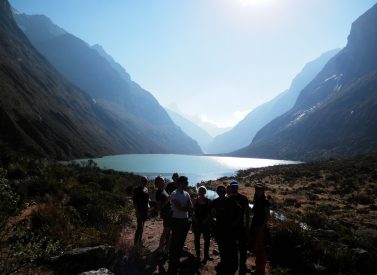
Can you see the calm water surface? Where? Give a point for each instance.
(196, 168)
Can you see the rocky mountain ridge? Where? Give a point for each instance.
(335, 114)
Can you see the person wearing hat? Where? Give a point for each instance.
(242, 225)
(259, 232)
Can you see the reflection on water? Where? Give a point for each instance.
(196, 168)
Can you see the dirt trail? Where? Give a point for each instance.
(151, 237)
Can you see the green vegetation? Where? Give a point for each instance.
(331, 209)
(47, 208)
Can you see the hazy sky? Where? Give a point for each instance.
(216, 59)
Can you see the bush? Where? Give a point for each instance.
(364, 199)
(314, 219)
(8, 199)
(290, 249)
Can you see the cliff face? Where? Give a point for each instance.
(97, 74)
(335, 114)
(43, 113)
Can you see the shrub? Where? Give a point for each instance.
(289, 249)
(364, 199)
(8, 198)
(314, 219)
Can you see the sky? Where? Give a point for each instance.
(213, 59)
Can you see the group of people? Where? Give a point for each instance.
(227, 218)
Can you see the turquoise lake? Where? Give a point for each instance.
(196, 168)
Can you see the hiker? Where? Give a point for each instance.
(140, 200)
(201, 223)
(242, 224)
(163, 206)
(259, 232)
(224, 214)
(172, 185)
(181, 205)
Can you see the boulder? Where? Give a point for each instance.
(80, 260)
(101, 271)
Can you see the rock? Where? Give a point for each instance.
(329, 235)
(101, 271)
(365, 261)
(89, 258)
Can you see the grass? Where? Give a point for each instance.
(47, 208)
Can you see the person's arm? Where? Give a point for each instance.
(189, 204)
(247, 213)
(135, 199)
(267, 213)
(194, 219)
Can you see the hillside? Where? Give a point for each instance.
(96, 73)
(335, 115)
(243, 133)
(43, 113)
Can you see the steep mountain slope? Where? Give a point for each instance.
(42, 112)
(336, 114)
(243, 133)
(190, 128)
(96, 73)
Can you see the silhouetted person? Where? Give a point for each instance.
(164, 207)
(201, 223)
(180, 223)
(225, 213)
(172, 185)
(259, 230)
(241, 227)
(140, 200)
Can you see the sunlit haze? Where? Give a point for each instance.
(215, 59)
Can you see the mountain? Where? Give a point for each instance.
(336, 114)
(96, 73)
(243, 133)
(190, 128)
(42, 113)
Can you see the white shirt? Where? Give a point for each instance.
(182, 198)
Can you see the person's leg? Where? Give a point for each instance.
(173, 246)
(260, 253)
(197, 243)
(184, 227)
(139, 229)
(242, 246)
(231, 255)
(207, 239)
(164, 237)
(180, 228)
